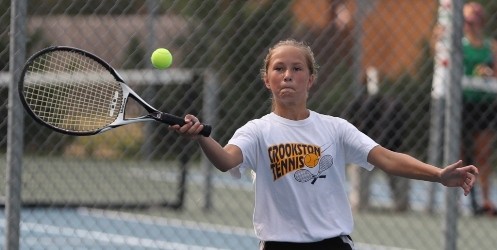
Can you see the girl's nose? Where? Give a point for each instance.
(288, 76)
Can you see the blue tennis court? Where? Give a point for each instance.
(99, 229)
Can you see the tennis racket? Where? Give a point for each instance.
(304, 175)
(75, 92)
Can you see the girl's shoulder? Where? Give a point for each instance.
(330, 119)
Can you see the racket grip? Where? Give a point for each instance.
(175, 120)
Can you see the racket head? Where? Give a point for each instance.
(71, 91)
(325, 162)
(303, 175)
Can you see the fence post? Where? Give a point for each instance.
(151, 42)
(452, 142)
(210, 106)
(15, 125)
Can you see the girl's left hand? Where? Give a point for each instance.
(457, 175)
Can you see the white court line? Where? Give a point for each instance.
(147, 219)
(99, 213)
(107, 237)
(363, 246)
(143, 242)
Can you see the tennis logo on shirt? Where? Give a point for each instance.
(305, 175)
(288, 157)
(311, 160)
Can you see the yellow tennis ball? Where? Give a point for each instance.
(161, 58)
(311, 160)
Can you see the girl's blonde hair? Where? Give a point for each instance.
(308, 54)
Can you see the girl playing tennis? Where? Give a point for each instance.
(299, 157)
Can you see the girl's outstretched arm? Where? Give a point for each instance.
(454, 175)
(223, 158)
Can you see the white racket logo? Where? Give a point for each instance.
(113, 103)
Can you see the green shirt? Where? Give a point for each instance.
(472, 57)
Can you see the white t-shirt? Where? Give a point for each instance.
(300, 189)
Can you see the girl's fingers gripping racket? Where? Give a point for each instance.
(75, 92)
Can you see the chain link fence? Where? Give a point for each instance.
(142, 187)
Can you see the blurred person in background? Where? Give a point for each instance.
(479, 107)
(383, 118)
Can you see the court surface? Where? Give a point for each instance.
(53, 228)
(98, 229)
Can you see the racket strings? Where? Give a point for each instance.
(304, 175)
(325, 162)
(71, 91)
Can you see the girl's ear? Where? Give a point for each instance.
(311, 82)
(266, 83)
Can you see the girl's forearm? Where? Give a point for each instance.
(223, 159)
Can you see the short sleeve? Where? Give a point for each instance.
(246, 139)
(357, 146)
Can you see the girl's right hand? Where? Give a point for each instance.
(191, 129)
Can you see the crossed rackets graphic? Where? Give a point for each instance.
(304, 175)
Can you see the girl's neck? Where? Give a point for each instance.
(475, 39)
(292, 114)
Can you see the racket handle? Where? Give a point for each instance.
(175, 120)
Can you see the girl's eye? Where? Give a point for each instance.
(278, 68)
(297, 69)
